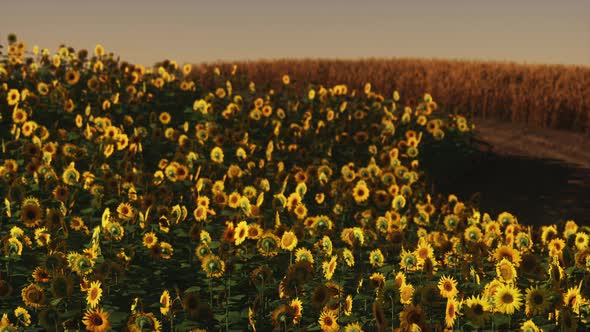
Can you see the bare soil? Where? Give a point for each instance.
(542, 176)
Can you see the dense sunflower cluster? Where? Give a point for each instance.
(136, 200)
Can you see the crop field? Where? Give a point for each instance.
(551, 96)
(249, 198)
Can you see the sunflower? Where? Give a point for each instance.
(507, 252)
(329, 267)
(72, 76)
(40, 274)
(13, 97)
(348, 257)
(412, 316)
(376, 258)
(31, 214)
(448, 287)
(360, 192)
(96, 320)
(406, 293)
(289, 241)
(537, 301)
(451, 311)
(190, 304)
(582, 240)
(328, 321)
(476, 310)
(303, 254)
(507, 299)
(505, 271)
(423, 251)
(217, 155)
(297, 309)
(23, 316)
(268, 244)
(149, 239)
(141, 322)
(353, 327)
(408, 261)
(61, 286)
(33, 296)
(125, 211)
(213, 266)
(94, 294)
(167, 250)
(573, 298)
(348, 305)
(300, 211)
(241, 232)
(529, 326)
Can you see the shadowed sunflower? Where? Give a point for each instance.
(96, 320)
(410, 316)
(476, 310)
(142, 322)
(537, 301)
(33, 296)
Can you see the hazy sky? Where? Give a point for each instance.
(532, 31)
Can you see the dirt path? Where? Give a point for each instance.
(542, 176)
(522, 140)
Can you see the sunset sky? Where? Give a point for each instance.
(202, 31)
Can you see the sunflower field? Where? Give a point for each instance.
(136, 199)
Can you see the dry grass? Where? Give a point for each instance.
(552, 96)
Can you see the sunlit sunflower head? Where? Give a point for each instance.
(94, 294)
(289, 241)
(507, 299)
(451, 311)
(328, 321)
(348, 257)
(505, 271)
(529, 326)
(97, 320)
(448, 287)
(149, 239)
(217, 155)
(241, 232)
(22, 315)
(408, 261)
(376, 258)
(573, 298)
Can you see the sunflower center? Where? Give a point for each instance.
(448, 286)
(478, 309)
(538, 299)
(96, 320)
(507, 298)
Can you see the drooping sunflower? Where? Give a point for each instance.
(213, 266)
(23, 316)
(268, 244)
(353, 327)
(448, 287)
(96, 320)
(141, 322)
(94, 294)
(376, 258)
(303, 254)
(507, 299)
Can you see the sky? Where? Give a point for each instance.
(143, 32)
